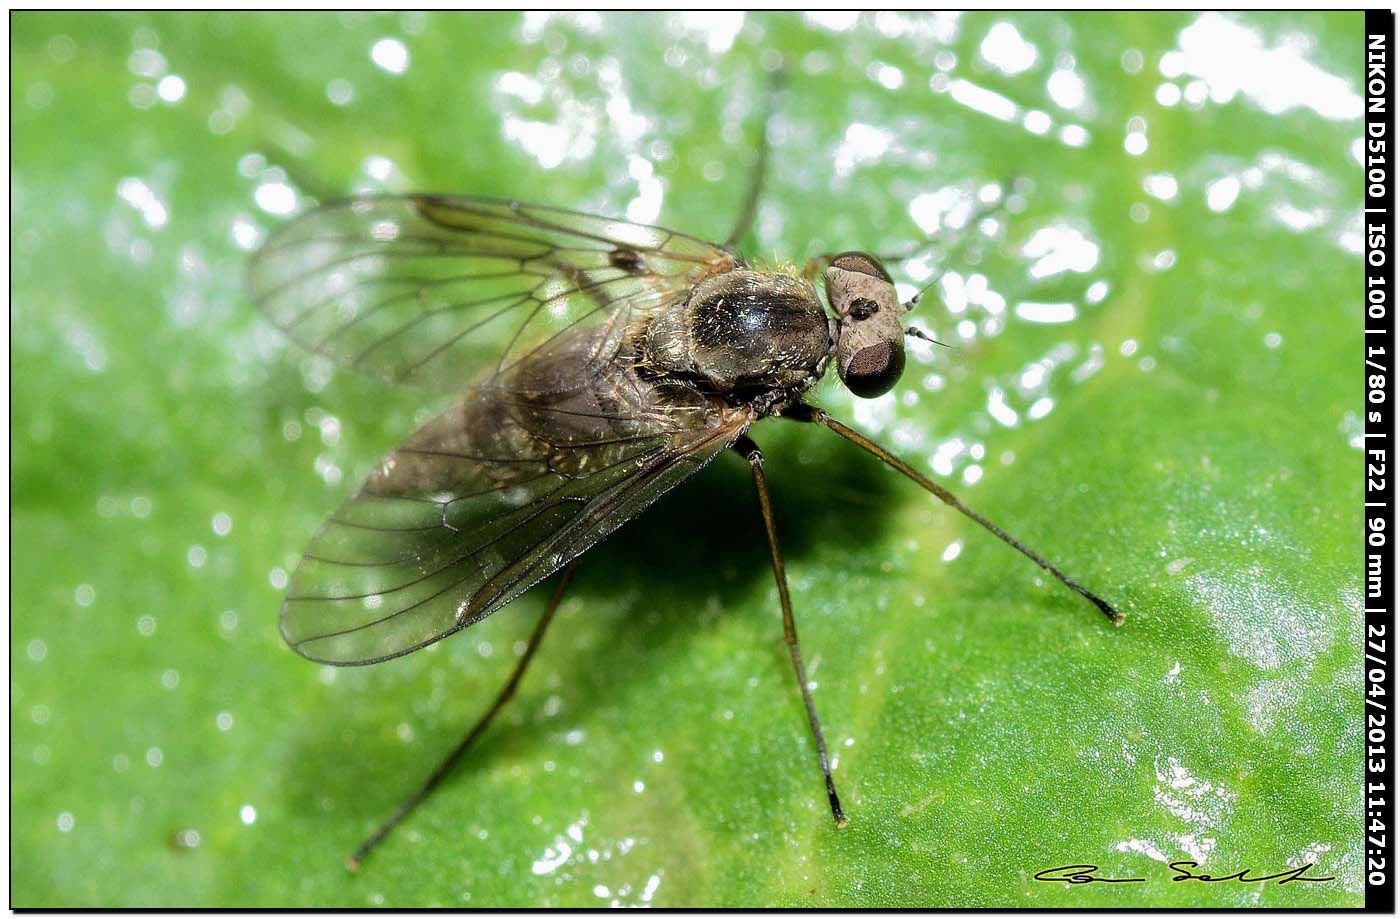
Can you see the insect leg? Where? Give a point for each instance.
(438, 774)
(749, 451)
(817, 416)
(760, 166)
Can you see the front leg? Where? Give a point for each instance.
(813, 415)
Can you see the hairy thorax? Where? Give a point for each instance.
(744, 334)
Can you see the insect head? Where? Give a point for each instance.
(869, 334)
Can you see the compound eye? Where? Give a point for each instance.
(873, 370)
(862, 263)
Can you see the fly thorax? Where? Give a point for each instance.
(744, 329)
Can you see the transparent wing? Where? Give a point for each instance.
(434, 290)
(485, 501)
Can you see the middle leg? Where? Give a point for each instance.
(750, 452)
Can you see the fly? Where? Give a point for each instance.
(599, 364)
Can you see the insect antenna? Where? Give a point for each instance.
(914, 300)
(914, 331)
(815, 415)
(921, 335)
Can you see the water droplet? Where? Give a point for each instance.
(1073, 135)
(1067, 88)
(39, 95)
(277, 198)
(146, 62)
(220, 121)
(340, 91)
(245, 235)
(390, 54)
(170, 89)
(1160, 185)
(144, 199)
(62, 48)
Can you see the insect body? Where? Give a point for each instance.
(598, 364)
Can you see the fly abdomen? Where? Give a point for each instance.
(581, 411)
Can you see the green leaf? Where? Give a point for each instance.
(1185, 443)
